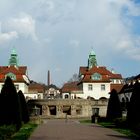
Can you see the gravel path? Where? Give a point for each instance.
(72, 130)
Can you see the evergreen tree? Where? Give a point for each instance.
(24, 110)
(1, 109)
(133, 114)
(114, 106)
(10, 105)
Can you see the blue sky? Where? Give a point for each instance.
(59, 35)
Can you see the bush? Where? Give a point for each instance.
(102, 119)
(121, 123)
(24, 110)
(114, 106)
(10, 105)
(6, 131)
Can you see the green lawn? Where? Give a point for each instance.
(111, 125)
(24, 132)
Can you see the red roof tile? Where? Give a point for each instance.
(72, 86)
(36, 87)
(117, 87)
(106, 74)
(18, 71)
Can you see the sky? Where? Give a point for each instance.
(58, 35)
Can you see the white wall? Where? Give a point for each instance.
(22, 86)
(31, 95)
(96, 92)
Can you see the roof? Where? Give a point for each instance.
(36, 87)
(52, 86)
(117, 87)
(106, 74)
(70, 86)
(18, 71)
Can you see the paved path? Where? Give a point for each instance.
(72, 130)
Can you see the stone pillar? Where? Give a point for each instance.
(59, 111)
(45, 110)
(73, 110)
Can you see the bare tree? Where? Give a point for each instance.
(75, 77)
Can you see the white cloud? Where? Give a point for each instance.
(107, 25)
(24, 25)
(5, 37)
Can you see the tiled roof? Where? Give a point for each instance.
(52, 86)
(117, 87)
(36, 87)
(106, 74)
(18, 71)
(72, 86)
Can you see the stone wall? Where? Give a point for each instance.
(74, 108)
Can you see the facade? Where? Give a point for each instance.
(36, 91)
(59, 108)
(71, 90)
(52, 92)
(94, 81)
(17, 73)
(127, 91)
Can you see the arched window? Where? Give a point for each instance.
(39, 96)
(96, 76)
(66, 96)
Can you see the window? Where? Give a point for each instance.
(117, 81)
(17, 87)
(66, 96)
(96, 76)
(11, 75)
(90, 87)
(102, 87)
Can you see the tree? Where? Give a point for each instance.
(75, 77)
(24, 110)
(114, 106)
(10, 104)
(133, 114)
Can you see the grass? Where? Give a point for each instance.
(24, 132)
(85, 121)
(111, 125)
(125, 131)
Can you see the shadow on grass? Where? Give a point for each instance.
(124, 137)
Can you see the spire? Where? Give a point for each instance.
(13, 61)
(92, 59)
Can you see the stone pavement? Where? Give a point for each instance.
(72, 130)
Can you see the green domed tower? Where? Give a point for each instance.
(13, 61)
(92, 59)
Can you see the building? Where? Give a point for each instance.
(17, 73)
(36, 91)
(52, 92)
(71, 90)
(127, 90)
(94, 81)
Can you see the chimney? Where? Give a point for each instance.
(48, 77)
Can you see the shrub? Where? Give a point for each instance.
(10, 105)
(114, 106)
(6, 131)
(121, 123)
(24, 110)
